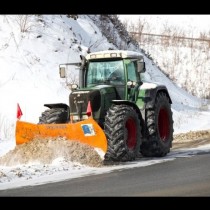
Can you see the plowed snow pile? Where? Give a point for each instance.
(45, 151)
(191, 139)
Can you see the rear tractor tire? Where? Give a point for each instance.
(123, 131)
(54, 116)
(159, 128)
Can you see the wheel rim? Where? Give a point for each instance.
(163, 124)
(131, 129)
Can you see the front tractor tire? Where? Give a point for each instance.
(123, 131)
(159, 128)
(54, 116)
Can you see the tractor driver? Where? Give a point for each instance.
(117, 75)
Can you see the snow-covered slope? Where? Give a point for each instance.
(30, 60)
(179, 45)
(188, 111)
(29, 65)
(29, 76)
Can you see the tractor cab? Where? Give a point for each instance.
(105, 76)
(120, 69)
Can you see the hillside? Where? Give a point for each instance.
(31, 49)
(182, 53)
(30, 55)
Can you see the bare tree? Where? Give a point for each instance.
(140, 27)
(24, 22)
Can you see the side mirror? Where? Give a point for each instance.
(62, 71)
(141, 67)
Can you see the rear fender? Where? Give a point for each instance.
(152, 93)
(148, 93)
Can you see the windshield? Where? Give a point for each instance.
(105, 72)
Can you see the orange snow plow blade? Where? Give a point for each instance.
(87, 131)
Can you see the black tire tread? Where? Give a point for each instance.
(154, 146)
(53, 116)
(114, 128)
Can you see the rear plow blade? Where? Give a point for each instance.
(87, 131)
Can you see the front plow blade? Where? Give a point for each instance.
(87, 131)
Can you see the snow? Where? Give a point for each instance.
(188, 22)
(29, 75)
(185, 61)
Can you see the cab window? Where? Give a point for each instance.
(132, 72)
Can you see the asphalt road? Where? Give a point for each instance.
(180, 177)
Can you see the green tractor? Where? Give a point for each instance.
(133, 117)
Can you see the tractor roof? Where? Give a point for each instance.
(114, 54)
